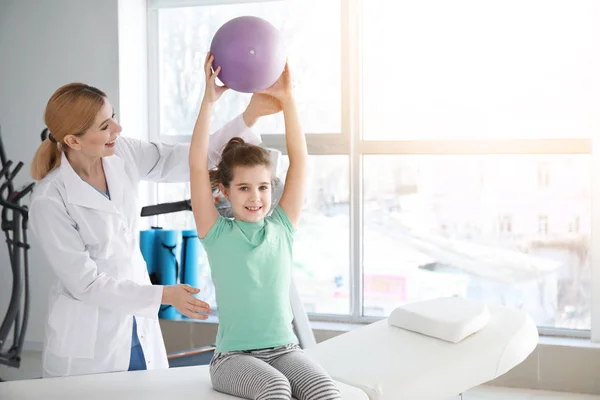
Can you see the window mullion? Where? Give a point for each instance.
(353, 125)
(595, 243)
(153, 101)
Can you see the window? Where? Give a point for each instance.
(443, 239)
(505, 224)
(450, 145)
(574, 225)
(543, 224)
(469, 69)
(543, 175)
(183, 39)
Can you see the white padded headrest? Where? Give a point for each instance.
(449, 318)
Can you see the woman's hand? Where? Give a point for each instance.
(283, 89)
(180, 297)
(213, 91)
(261, 104)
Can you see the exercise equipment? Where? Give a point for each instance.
(374, 362)
(191, 254)
(390, 363)
(167, 266)
(149, 250)
(14, 224)
(250, 52)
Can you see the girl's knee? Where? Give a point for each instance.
(276, 389)
(330, 391)
(323, 388)
(334, 393)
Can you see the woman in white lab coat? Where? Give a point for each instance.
(103, 310)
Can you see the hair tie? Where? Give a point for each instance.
(51, 138)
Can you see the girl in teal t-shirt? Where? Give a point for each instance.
(257, 356)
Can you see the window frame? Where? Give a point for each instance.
(350, 142)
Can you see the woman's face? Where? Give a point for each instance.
(100, 139)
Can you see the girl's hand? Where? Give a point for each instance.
(282, 90)
(213, 91)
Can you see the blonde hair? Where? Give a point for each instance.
(71, 110)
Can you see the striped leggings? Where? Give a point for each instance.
(279, 373)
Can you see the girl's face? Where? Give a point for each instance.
(100, 139)
(250, 192)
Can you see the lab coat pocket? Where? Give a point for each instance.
(73, 324)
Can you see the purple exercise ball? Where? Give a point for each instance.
(250, 52)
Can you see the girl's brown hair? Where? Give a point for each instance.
(238, 153)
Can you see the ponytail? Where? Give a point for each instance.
(237, 153)
(234, 143)
(215, 178)
(46, 159)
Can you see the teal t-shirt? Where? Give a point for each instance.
(251, 266)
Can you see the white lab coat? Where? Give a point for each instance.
(92, 244)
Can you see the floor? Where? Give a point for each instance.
(30, 367)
